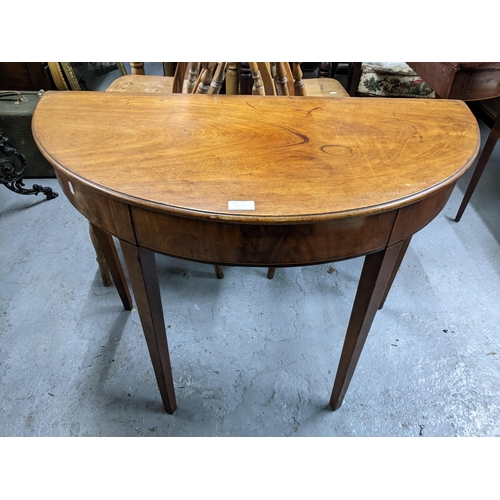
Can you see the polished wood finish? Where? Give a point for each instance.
(331, 179)
(276, 79)
(184, 80)
(263, 84)
(313, 139)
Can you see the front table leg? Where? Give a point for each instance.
(141, 265)
(375, 277)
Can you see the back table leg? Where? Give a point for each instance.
(103, 267)
(395, 269)
(376, 275)
(141, 265)
(481, 164)
(106, 248)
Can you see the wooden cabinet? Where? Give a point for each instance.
(25, 76)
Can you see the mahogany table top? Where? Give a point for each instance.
(297, 158)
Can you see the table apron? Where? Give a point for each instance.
(110, 215)
(261, 244)
(227, 243)
(281, 245)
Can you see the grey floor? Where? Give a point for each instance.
(250, 356)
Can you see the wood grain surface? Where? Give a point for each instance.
(297, 158)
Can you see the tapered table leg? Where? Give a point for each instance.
(107, 248)
(481, 164)
(375, 277)
(141, 265)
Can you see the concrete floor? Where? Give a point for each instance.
(250, 356)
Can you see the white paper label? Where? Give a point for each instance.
(241, 205)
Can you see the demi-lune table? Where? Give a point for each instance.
(254, 181)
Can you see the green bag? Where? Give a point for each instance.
(16, 112)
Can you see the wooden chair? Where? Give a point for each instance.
(192, 77)
(282, 79)
(323, 86)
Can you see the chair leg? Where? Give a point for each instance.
(481, 164)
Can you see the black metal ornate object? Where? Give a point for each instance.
(12, 167)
